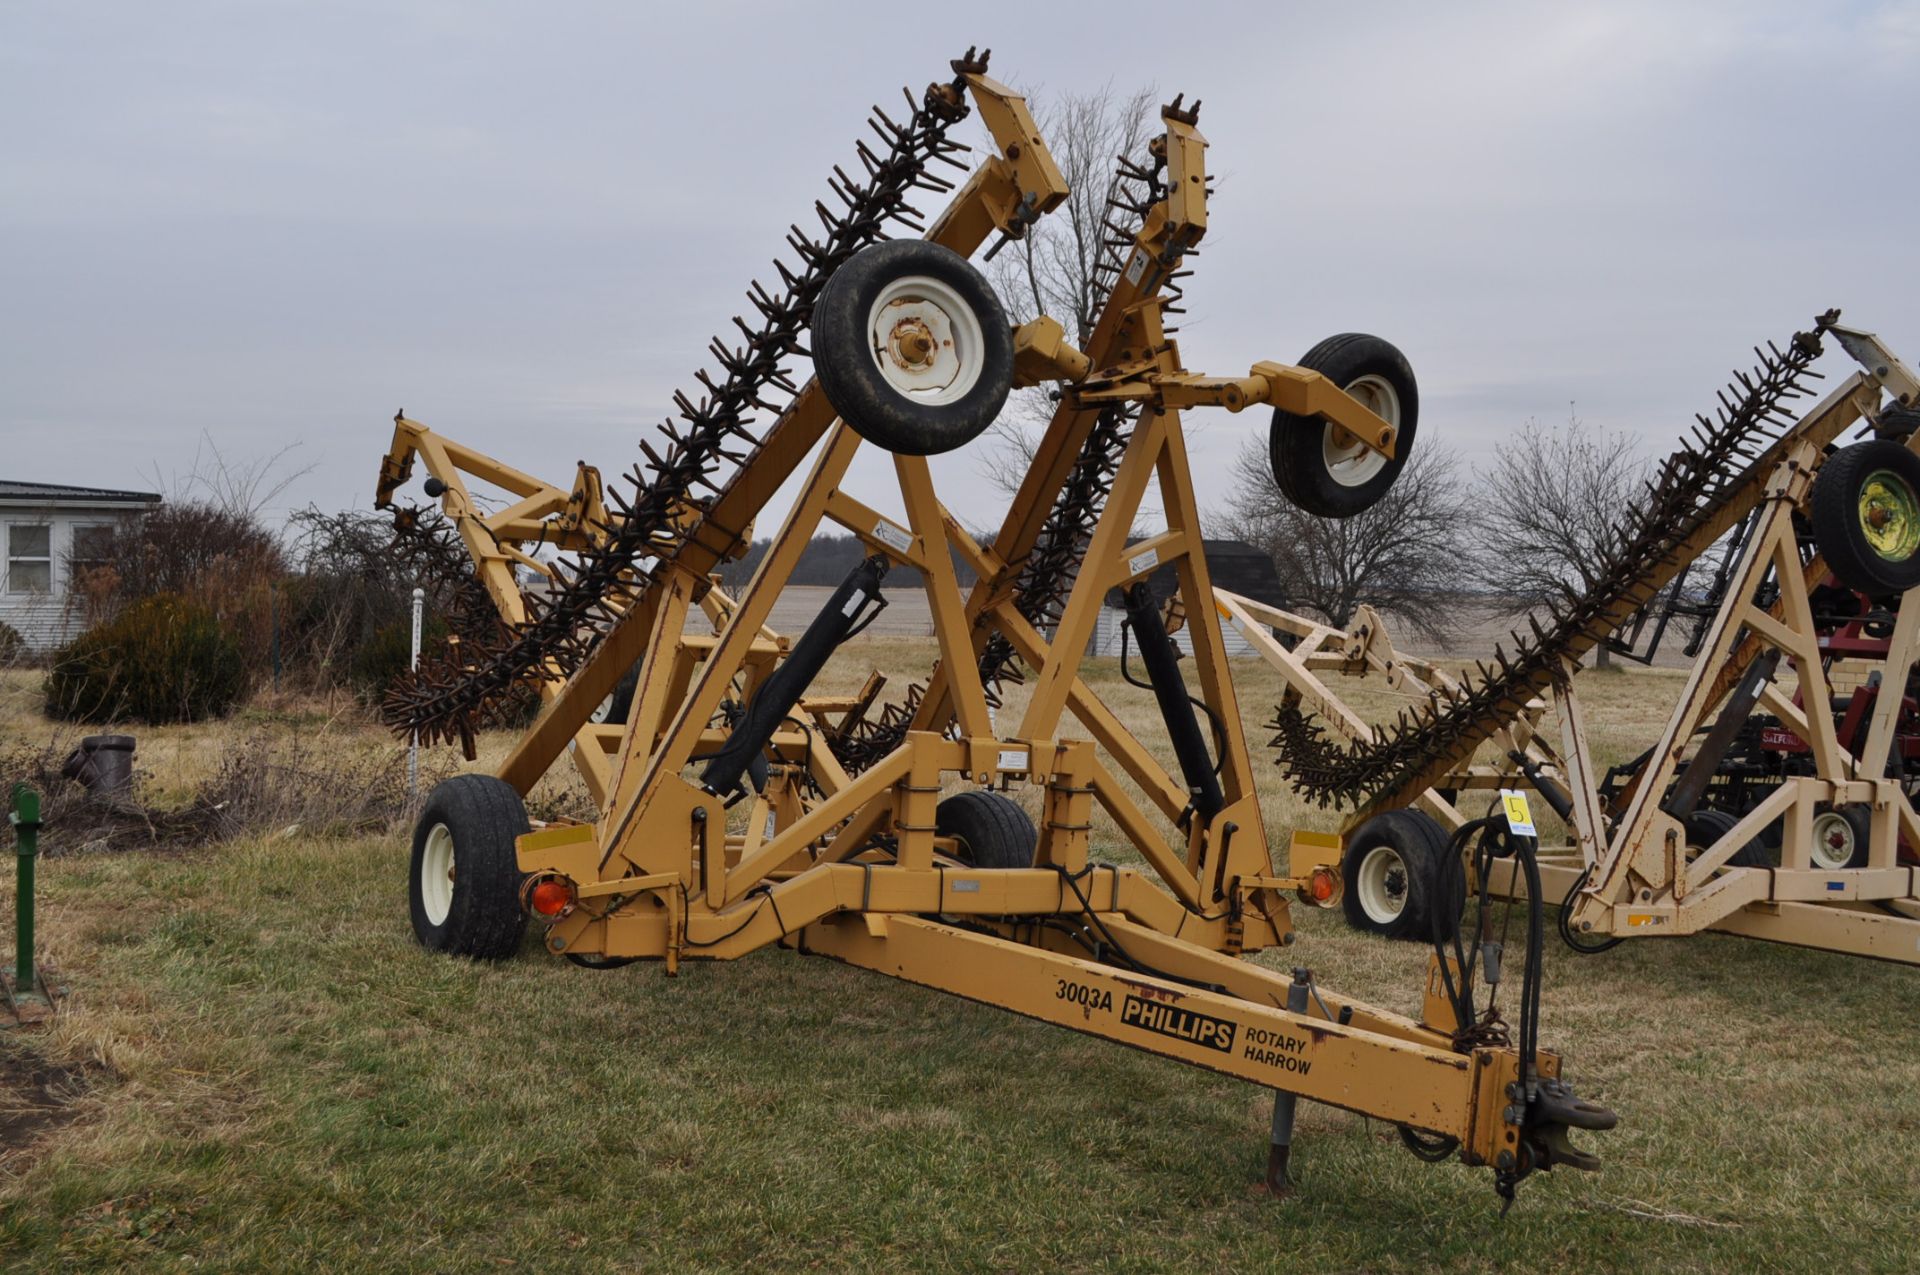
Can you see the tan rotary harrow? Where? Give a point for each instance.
(739, 810)
(1782, 810)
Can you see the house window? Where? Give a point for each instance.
(92, 548)
(29, 558)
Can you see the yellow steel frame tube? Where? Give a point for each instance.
(1425, 1086)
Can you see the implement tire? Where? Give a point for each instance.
(992, 830)
(1392, 874)
(912, 348)
(1866, 517)
(1707, 825)
(464, 875)
(1313, 467)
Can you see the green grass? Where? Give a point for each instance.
(281, 1079)
(285, 1080)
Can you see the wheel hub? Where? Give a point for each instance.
(926, 340)
(437, 863)
(1890, 516)
(1351, 462)
(1833, 843)
(911, 343)
(1382, 884)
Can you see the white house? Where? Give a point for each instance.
(47, 534)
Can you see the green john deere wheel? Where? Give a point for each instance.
(1866, 517)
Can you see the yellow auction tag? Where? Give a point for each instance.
(1519, 814)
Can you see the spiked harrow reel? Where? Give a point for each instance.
(742, 807)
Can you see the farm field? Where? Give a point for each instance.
(258, 1068)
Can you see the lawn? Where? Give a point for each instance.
(258, 1068)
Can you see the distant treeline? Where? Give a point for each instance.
(827, 561)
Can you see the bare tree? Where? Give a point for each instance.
(1051, 271)
(1546, 506)
(242, 488)
(1404, 555)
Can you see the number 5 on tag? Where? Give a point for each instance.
(1519, 814)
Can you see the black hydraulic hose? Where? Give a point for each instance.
(1585, 947)
(1072, 880)
(1496, 840)
(1450, 880)
(1158, 653)
(1431, 1147)
(1525, 850)
(1450, 870)
(1556, 796)
(1562, 804)
(846, 613)
(601, 962)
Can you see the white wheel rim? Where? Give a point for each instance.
(436, 875)
(1381, 884)
(1833, 842)
(926, 340)
(1350, 462)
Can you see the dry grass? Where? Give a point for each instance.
(280, 1078)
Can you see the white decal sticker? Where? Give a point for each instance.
(1136, 265)
(1013, 759)
(1140, 563)
(893, 534)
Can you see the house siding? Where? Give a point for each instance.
(45, 620)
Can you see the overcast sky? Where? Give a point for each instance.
(277, 223)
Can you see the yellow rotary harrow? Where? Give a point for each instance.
(738, 810)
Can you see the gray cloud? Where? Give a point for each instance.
(278, 222)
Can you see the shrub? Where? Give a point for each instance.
(389, 651)
(346, 619)
(13, 647)
(222, 559)
(194, 548)
(163, 659)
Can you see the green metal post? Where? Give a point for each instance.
(25, 818)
